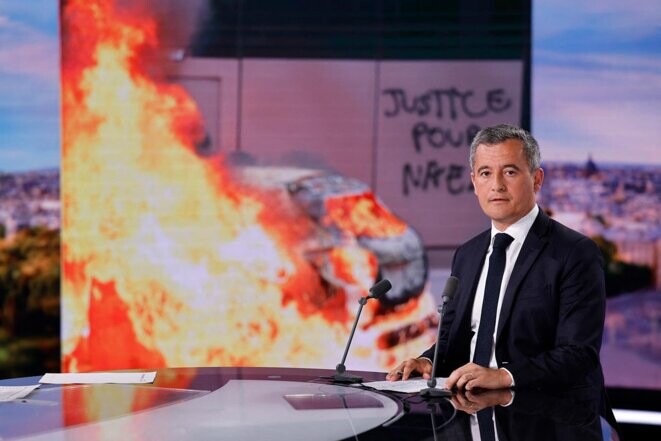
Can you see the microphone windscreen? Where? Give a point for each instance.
(380, 288)
(450, 287)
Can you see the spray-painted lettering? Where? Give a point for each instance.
(432, 175)
(439, 137)
(447, 103)
(450, 105)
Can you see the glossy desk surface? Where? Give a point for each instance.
(274, 404)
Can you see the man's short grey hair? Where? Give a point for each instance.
(504, 132)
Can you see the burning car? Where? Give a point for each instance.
(346, 210)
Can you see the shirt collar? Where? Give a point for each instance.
(519, 229)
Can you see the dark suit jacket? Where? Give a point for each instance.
(551, 321)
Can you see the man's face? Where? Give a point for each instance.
(503, 183)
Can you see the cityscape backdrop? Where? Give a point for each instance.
(224, 210)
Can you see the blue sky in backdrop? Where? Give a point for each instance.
(596, 81)
(29, 85)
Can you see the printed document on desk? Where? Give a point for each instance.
(10, 393)
(99, 378)
(407, 386)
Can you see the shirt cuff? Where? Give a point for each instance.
(509, 403)
(511, 376)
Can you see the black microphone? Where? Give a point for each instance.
(448, 293)
(376, 291)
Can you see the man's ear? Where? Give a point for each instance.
(473, 182)
(538, 179)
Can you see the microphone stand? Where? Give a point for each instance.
(431, 391)
(378, 290)
(339, 377)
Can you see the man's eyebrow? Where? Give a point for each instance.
(487, 167)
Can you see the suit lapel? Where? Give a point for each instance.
(532, 246)
(470, 275)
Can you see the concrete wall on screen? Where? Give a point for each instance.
(402, 127)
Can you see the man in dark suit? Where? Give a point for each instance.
(547, 303)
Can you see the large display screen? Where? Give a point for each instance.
(190, 258)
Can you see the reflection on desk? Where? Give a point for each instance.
(535, 415)
(270, 404)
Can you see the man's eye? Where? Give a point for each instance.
(484, 174)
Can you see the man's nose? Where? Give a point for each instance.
(498, 183)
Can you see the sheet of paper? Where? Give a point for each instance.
(99, 378)
(9, 393)
(408, 386)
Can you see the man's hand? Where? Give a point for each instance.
(407, 367)
(472, 376)
(469, 402)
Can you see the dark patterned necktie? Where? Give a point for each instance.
(484, 342)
